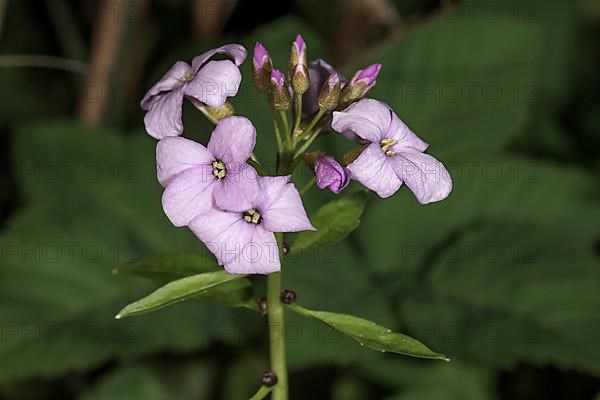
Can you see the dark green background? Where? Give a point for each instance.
(503, 276)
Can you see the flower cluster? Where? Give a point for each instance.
(216, 191)
(212, 189)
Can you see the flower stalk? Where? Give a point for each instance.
(276, 319)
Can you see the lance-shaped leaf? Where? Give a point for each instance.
(370, 334)
(166, 268)
(334, 221)
(178, 290)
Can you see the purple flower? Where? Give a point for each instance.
(367, 76)
(331, 175)
(279, 95)
(244, 242)
(261, 56)
(360, 84)
(394, 153)
(196, 176)
(319, 71)
(206, 81)
(262, 67)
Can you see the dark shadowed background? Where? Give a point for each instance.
(503, 276)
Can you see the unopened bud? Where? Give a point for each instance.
(300, 82)
(262, 67)
(269, 379)
(279, 94)
(298, 55)
(359, 86)
(311, 158)
(329, 97)
(215, 114)
(288, 297)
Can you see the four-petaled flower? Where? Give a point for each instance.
(198, 178)
(244, 241)
(394, 154)
(207, 81)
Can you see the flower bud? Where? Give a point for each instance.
(311, 158)
(300, 82)
(298, 55)
(269, 379)
(360, 85)
(288, 297)
(262, 67)
(263, 304)
(331, 175)
(279, 94)
(330, 93)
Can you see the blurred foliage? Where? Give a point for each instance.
(503, 274)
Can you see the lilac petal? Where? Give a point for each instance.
(425, 176)
(281, 206)
(173, 79)
(188, 195)
(259, 256)
(224, 233)
(369, 119)
(319, 71)
(164, 115)
(236, 52)
(176, 154)
(241, 247)
(238, 190)
(373, 169)
(406, 138)
(214, 83)
(233, 140)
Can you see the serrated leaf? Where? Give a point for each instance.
(334, 221)
(370, 334)
(177, 291)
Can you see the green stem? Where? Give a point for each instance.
(276, 335)
(286, 126)
(298, 114)
(307, 144)
(277, 134)
(262, 392)
(314, 121)
(308, 186)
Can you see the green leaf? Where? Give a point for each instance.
(90, 203)
(413, 379)
(176, 291)
(334, 221)
(128, 383)
(505, 292)
(371, 335)
(166, 268)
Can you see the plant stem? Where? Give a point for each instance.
(286, 126)
(308, 186)
(276, 335)
(298, 114)
(307, 144)
(277, 134)
(262, 392)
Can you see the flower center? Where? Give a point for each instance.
(188, 77)
(219, 169)
(385, 146)
(252, 217)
